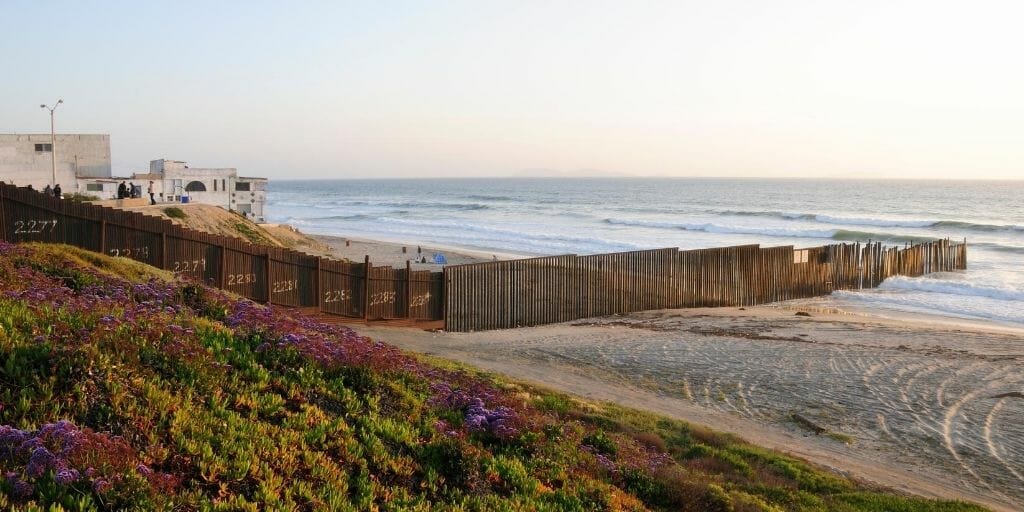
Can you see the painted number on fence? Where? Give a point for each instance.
(240, 279)
(286, 286)
(131, 252)
(190, 266)
(337, 296)
(420, 300)
(382, 298)
(31, 227)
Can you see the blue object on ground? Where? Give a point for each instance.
(440, 259)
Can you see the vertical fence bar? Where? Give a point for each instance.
(266, 273)
(366, 288)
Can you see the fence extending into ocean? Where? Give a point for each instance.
(478, 296)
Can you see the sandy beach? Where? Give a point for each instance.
(922, 407)
(395, 254)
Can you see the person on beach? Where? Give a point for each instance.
(131, 190)
(152, 200)
(56, 191)
(122, 190)
(47, 190)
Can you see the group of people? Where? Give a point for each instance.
(129, 192)
(55, 191)
(126, 191)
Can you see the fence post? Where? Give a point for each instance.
(444, 298)
(408, 289)
(266, 269)
(223, 267)
(319, 286)
(163, 250)
(366, 288)
(3, 216)
(103, 231)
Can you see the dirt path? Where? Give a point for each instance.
(929, 410)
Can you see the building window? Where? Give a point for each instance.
(242, 186)
(94, 187)
(195, 186)
(224, 185)
(800, 256)
(214, 185)
(44, 148)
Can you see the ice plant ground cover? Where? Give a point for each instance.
(122, 388)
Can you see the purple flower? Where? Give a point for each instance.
(67, 476)
(143, 470)
(21, 489)
(100, 485)
(40, 462)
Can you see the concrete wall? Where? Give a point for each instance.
(222, 186)
(250, 201)
(77, 155)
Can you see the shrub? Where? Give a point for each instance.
(174, 212)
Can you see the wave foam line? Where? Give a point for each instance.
(833, 234)
(878, 222)
(946, 286)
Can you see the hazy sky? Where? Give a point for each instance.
(478, 88)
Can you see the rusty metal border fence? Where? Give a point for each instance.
(478, 296)
(265, 274)
(520, 293)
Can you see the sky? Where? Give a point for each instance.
(838, 89)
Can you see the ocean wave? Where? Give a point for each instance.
(510, 235)
(843, 235)
(726, 229)
(880, 223)
(1013, 249)
(339, 217)
(952, 287)
(483, 197)
(970, 226)
(846, 235)
(957, 306)
(405, 205)
(872, 221)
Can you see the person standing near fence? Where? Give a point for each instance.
(122, 190)
(152, 200)
(56, 191)
(47, 190)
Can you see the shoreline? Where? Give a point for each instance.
(390, 253)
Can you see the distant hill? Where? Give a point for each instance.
(579, 173)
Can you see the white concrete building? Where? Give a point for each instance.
(25, 159)
(174, 181)
(83, 166)
(221, 186)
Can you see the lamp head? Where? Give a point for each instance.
(60, 101)
(42, 106)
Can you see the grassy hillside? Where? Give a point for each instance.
(142, 392)
(218, 221)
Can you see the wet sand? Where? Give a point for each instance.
(934, 409)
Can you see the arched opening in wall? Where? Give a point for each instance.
(195, 186)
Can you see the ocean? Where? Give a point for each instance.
(538, 216)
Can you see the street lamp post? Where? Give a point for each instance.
(53, 144)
